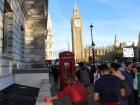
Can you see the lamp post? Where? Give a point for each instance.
(92, 45)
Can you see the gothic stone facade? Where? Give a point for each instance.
(23, 29)
(102, 54)
(35, 32)
(12, 17)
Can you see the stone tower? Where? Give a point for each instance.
(138, 49)
(49, 40)
(116, 42)
(76, 28)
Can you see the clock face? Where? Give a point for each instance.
(77, 23)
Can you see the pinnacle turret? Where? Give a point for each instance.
(139, 35)
(138, 40)
(75, 10)
(116, 41)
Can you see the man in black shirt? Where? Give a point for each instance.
(108, 89)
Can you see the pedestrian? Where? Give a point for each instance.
(97, 74)
(77, 93)
(108, 89)
(116, 72)
(92, 71)
(55, 73)
(83, 74)
(135, 84)
(128, 84)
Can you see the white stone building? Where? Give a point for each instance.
(49, 40)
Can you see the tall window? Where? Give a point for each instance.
(7, 27)
(1, 31)
(5, 36)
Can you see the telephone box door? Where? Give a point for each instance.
(66, 67)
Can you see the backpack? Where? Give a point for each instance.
(84, 77)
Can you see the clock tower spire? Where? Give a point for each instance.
(76, 29)
(75, 10)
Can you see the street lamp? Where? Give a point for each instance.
(92, 45)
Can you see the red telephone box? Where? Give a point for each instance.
(66, 66)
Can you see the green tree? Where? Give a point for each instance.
(118, 54)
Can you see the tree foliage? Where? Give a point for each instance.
(118, 53)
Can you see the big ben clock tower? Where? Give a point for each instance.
(76, 28)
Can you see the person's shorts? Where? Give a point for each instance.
(81, 103)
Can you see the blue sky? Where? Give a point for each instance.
(109, 17)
